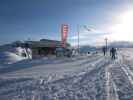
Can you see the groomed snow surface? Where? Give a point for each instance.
(92, 77)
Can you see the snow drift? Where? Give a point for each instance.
(9, 58)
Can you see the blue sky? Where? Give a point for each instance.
(36, 19)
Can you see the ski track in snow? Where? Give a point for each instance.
(51, 69)
(115, 96)
(107, 84)
(121, 80)
(127, 71)
(99, 78)
(111, 89)
(121, 84)
(80, 80)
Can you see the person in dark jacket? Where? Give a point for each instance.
(113, 53)
(104, 50)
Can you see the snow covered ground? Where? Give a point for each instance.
(9, 58)
(92, 77)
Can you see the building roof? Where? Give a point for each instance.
(45, 43)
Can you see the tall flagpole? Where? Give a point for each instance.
(78, 39)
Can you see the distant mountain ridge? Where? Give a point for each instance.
(87, 48)
(117, 44)
(121, 44)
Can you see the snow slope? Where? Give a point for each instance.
(79, 78)
(10, 54)
(9, 58)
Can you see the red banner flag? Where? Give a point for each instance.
(64, 32)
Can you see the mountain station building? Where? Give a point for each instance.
(44, 47)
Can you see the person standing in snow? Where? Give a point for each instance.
(113, 53)
(104, 50)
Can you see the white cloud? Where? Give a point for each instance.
(121, 29)
(90, 37)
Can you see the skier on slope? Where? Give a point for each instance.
(113, 53)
